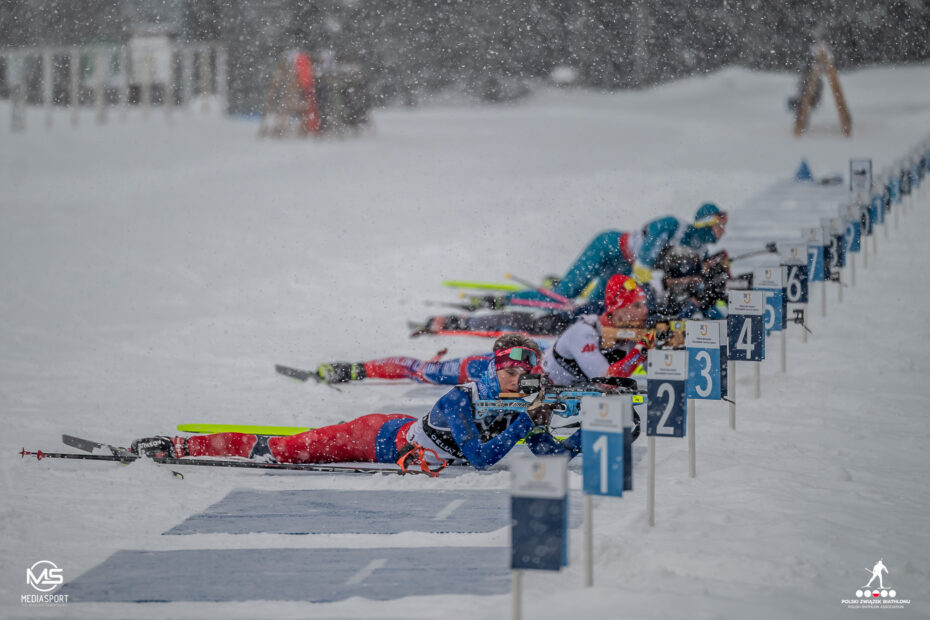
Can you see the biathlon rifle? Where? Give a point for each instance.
(770, 248)
(669, 333)
(564, 401)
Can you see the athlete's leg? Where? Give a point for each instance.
(221, 444)
(601, 258)
(349, 441)
(393, 368)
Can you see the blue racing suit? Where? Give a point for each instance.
(453, 431)
(613, 252)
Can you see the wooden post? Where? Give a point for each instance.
(823, 63)
(826, 59)
(800, 121)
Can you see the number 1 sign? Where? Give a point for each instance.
(602, 443)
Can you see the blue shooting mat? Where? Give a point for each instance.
(331, 511)
(314, 575)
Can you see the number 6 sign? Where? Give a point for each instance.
(794, 256)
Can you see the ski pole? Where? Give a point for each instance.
(770, 248)
(538, 289)
(533, 303)
(39, 454)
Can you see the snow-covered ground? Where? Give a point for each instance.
(152, 273)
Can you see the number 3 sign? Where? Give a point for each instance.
(702, 339)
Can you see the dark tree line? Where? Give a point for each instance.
(409, 48)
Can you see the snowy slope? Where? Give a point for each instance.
(153, 272)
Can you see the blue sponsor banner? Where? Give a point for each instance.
(281, 574)
(336, 511)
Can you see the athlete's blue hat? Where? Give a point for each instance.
(706, 210)
(709, 214)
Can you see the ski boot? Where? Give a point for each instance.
(438, 324)
(341, 372)
(160, 446)
(492, 302)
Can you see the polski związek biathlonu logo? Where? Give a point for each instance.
(871, 597)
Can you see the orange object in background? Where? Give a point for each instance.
(303, 66)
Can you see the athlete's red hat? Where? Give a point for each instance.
(622, 291)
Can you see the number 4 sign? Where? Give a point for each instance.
(745, 326)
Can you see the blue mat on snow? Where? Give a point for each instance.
(315, 575)
(329, 511)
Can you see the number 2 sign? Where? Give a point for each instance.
(666, 375)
